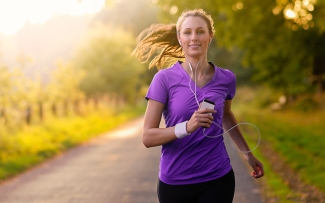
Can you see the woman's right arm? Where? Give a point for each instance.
(152, 135)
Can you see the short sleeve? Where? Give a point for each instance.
(158, 89)
(232, 85)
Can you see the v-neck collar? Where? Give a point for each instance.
(189, 78)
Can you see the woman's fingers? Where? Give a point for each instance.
(207, 111)
(199, 119)
(258, 172)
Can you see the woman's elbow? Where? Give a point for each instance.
(146, 142)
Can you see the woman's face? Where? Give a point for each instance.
(194, 36)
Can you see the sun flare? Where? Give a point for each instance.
(15, 13)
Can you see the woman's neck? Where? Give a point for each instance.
(200, 66)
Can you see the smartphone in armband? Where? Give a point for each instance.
(206, 104)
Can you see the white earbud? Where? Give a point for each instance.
(180, 42)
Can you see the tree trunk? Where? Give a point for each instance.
(41, 111)
(3, 117)
(28, 115)
(54, 109)
(65, 108)
(76, 107)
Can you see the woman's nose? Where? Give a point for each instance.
(194, 37)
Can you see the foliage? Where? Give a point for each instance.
(22, 96)
(64, 83)
(133, 17)
(108, 65)
(17, 93)
(5, 85)
(33, 144)
(282, 53)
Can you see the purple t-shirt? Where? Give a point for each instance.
(194, 158)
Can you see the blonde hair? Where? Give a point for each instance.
(161, 40)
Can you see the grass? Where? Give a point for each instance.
(33, 144)
(274, 187)
(295, 137)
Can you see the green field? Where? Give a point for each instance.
(291, 149)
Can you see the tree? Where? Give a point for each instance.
(132, 16)
(108, 64)
(5, 87)
(284, 51)
(64, 86)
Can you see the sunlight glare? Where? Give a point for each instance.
(173, 10)
(239, 5)
(15, 13)
(290, 13)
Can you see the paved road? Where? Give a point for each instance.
(115, 168)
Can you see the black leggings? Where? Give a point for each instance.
(220, 190)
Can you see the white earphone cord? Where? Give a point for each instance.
(189, 83)
(243, 123)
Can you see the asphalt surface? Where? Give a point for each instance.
(114, 168)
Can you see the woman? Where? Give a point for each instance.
(194, 165)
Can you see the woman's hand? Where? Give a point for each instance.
(200, 118)
(256, 165)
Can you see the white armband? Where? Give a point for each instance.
(180, 130)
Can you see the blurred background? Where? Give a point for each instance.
(66, 66)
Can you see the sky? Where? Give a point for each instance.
(15, 13)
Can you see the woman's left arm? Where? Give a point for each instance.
(229, 121)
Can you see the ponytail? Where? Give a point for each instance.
(158, 41)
